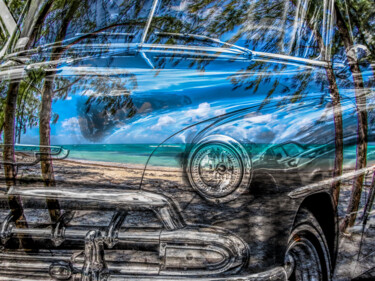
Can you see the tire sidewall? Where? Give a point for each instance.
(306, 227)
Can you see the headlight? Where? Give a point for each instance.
(219, 168)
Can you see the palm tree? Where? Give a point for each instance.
(45, 113)
(362, 119)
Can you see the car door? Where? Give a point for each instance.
(365, 223)
(353, 63)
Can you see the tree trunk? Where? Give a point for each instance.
(360, 99)
(337, 119)
(45, 116)
(9, 130)
(339, 135)
(44, 140)
(361, 155)
(16, 209)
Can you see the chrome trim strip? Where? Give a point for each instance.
(111, 236)
(290, 58)
(94, 267)
(104, 199)
(34, 153)
(150, 17)
(325, 184)
(275, 274)
(234, 250)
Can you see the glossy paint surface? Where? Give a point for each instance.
(204, 139)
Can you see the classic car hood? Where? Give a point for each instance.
(118, 107)
(138, 99)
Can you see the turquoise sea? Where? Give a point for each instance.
(134, 154)
(138, 154)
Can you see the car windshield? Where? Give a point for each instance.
(273, 26)
(120, 21)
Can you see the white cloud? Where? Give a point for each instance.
(67, 139)
(202, 111)
(70, 124)
(219, 112)
(162, 122)
(259, 118)
(305, 123)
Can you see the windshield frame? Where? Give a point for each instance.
(8, 25)
(39, 4)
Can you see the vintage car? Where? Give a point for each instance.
(179, 140)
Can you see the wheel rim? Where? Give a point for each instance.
(302, 261)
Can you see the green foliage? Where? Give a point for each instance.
(362, 19)
(28, 102)
(3, 39)
(16, 7)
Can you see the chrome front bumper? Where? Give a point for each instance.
(187, 252)
(275, 274)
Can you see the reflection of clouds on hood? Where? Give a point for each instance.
(218, 112)
(163, 122)
(248, 131)
(158, 127)
(278, 124)
(296, 127)
(272, 124)
(305, 123)
(202, 111)
(257, 117)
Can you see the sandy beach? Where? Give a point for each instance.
(79, 173)
(95, 173)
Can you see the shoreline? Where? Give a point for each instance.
(118, 165)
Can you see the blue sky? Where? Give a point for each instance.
(183, 96)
